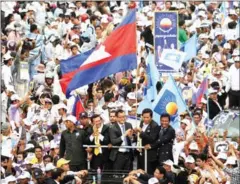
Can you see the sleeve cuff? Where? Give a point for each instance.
(101, 137)
(122, 137)
(91, 138)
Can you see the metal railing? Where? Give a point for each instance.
(105, 146)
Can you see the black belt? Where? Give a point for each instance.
(124, 153)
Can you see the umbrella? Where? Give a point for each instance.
(227, 120)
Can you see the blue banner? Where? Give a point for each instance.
(166, 37)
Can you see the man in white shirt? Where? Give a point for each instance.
(6, 70)
(234, 84)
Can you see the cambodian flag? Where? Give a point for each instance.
(116, 54)
(77, 107)
(201, 91)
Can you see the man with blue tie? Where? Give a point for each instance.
(120, 135)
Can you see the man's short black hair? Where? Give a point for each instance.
(147, 110)
(165, 115)
(38, 147)
(55, 99)
(48, 156)
(33, 27)
(119, 111)
(108, 97)
(95, 116)
(93, 18)
(161, 170)
(57, 173)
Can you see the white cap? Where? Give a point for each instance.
(231, 160)
(227, 46)
(74, 37)
(24, 175)
(104, 20)
(131, 96)
(54, 24)
(202, 7)
(193, 146)
(116, 8)
(15, 97)
(168, 162)
(148, 23)
(211, 90)
(202, 14)
(236, 52)
(53, 145)
(49, 75)
(205, 56)
(185, 121)
(71, 118)
(202, 36)
(237, 58)
(181, 6)
(82, 90)
(232, 12)
(153, 181)
(6, 152)
(217, 33)
(27, 122)
(7, 56)
(29, 146)
(222, 155)
(10, 178)
(140, 23)
(62, 106)
(11, 89)
(150, 14)
(49, 167)
(189, 159)
(31, 8)
(112, 105)
(48, 100)
(71, 5)
(203, 101)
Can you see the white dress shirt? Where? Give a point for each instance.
(234, 74)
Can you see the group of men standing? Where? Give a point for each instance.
(157, 140)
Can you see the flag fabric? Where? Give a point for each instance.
(152, 78)
(70, 64)
(116, 54)
(190, 48)
(170, 100)
(77, 107)
(197, 97)
(172, 58)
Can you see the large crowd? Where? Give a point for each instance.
(42, 141)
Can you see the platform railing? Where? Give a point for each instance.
(130, 147)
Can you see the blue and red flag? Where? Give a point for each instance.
(201, 91)
(77, 107)
(116, 54)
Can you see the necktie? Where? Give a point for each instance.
(161, 132)
(97, 143)
(123, 131)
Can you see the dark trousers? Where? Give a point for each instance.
(97, 161)
(78, 167)
(123, 161)
(151, 166)
(234, 99)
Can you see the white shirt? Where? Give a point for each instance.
(7, 75)
(123, 137)
(234, 74)
(4, 106)
(144, 127)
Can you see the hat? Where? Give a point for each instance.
(62, 106)
(6, 152)
(193, 146)
(205, 56)
(185, 121)
(40, 68)
(71, 118)
(217, 33)
(61, 162)
(28, 146)
(83, 115)
(202, 14)
(236, 52)
(203, 101)
(181, 6)
(53, 145)
(231, 160)
(150, 14)
(153, 181)
(227, 46)
(31, 8)
(131, 96)
(189, 159)
(49, 167)
(37, 173)
(10, 178)
(11, 89)
(202, 36)
(15, 97)
(48, 100)
(168, 162)
(211, 90)
(222, 155)
(24, 175)
(74, 37)
(232, 12)
(220, 65)
(104, 20)
(49, 75)
(7, 56)
(71, 5)
(5, 126)
(237, 59)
